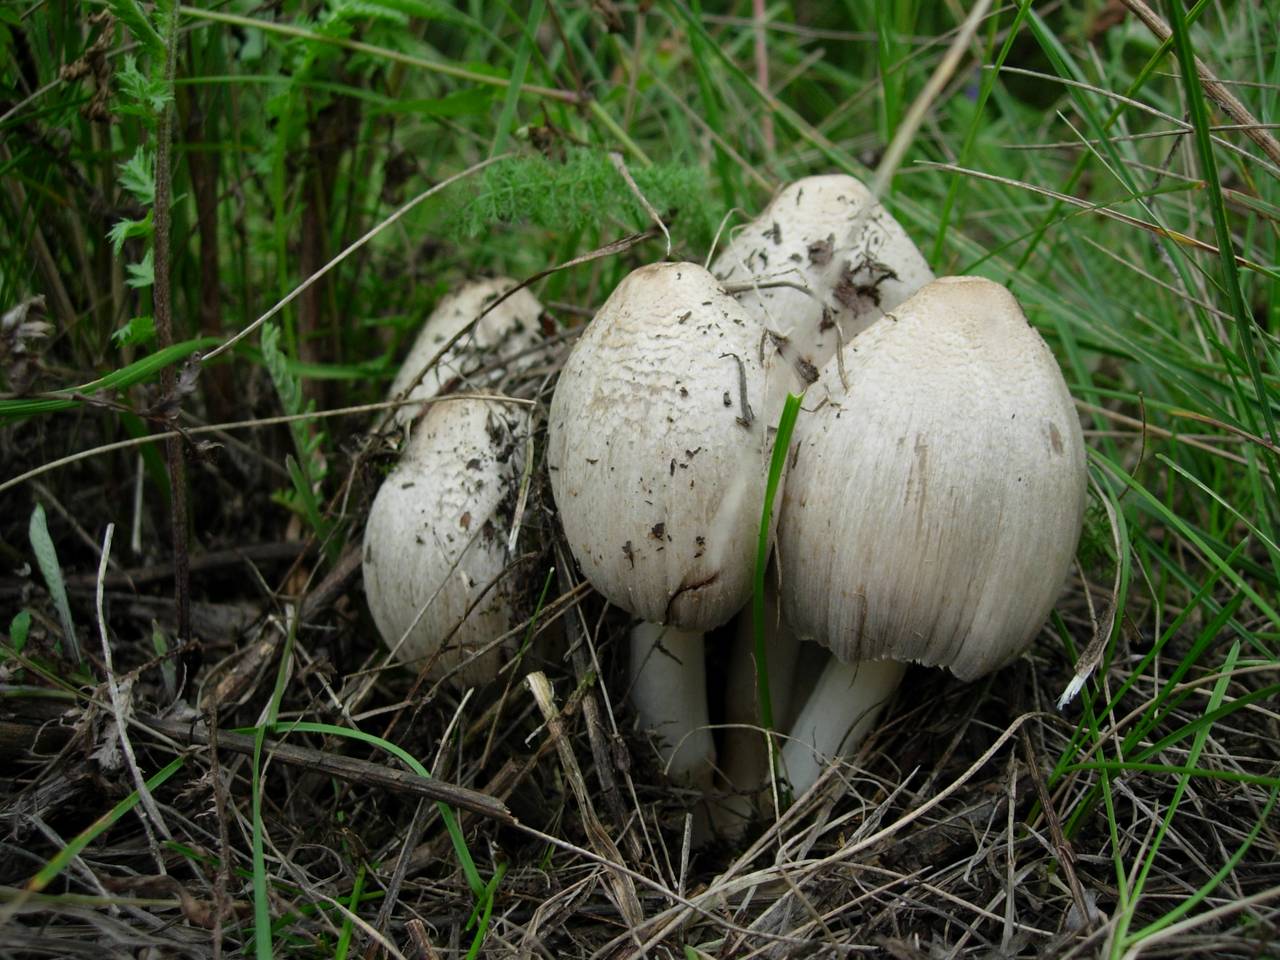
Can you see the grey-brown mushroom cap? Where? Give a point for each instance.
(656, 447)
(510, 328)
(828, 234)
(932, 509)
(436, 539)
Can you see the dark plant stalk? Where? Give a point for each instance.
(163, 303)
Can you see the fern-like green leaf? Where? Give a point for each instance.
(142, 95)
(581, 191)
(138, 176)
(137, 331)
(143, 273)
(123, 230)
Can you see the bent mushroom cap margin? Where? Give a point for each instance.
(932, 510)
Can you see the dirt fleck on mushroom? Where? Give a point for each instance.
(820, 251)
(1055, 439)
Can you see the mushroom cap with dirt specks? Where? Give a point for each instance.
(826, 233)
(932, 509)
(436, 538)
(657, 449)
(510, 328)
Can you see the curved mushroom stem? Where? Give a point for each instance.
(669, 691)
(839, 712)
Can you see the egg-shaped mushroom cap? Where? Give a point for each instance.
(510, 328)
(829, 235)
(933, 507)
(656, 447)
(435, 558)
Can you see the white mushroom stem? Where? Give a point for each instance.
(669, 693)
(838, 714)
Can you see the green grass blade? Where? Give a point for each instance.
(1230, 278)
(465, 859)
(137, 372)
(353, 903)
(73, 849)
(51, 570)
(777, 464)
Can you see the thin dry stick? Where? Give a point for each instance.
(352, 248)
(347, 768)
(920, 106)
(120, 709)
(162, 293)
(624, 890)
(1103, 208)
(620, 165)
(672, 919)
(1092, 654)
(1147, 428)
(1182, 125)
(1212, 86)
(246, 425)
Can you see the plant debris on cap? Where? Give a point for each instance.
(932, 511)
(657, 447)
(509, 329)
(829, 235)
(435, 541)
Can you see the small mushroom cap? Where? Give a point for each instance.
(508, 329)
(932, 509)
(826, 233)
(435, 539)
(656, 447)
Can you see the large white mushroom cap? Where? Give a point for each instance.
(509, 329)
(435, 558)
(657, 447)
(932, 509)
(830, 236)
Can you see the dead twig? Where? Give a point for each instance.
(345, 768)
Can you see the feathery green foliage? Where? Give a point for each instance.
(578, 191)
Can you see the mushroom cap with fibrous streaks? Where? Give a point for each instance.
(657, 447)
(508, 329)
(933, 507)
(435, 541)
(829, 235)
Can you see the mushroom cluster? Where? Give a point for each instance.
(931, 506)
(437, 563)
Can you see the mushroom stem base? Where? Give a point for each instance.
(669, 692)
(838, 714)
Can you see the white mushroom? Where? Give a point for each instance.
(823, 253)
(658, 453)
(435, 557)
(657, 448)
(509, 329)
(931, 512)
